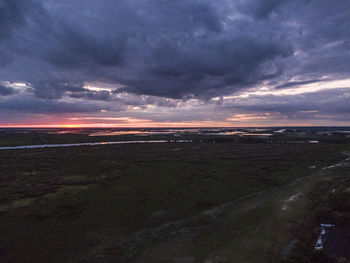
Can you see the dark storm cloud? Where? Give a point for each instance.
(5, 91)
(11, 15)
(33, 105)
(259, 9)
(173, 49)
(78, 49)
(92, 95)
(201, 69)
(53, 89)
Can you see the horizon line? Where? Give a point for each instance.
(160, 127)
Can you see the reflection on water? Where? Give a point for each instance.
(280, 131)
(86, 144)
(139, 133)
(224, 133)
(257, 134)
(143, 132)
(111, 133)
(180, 131)
(240, 133)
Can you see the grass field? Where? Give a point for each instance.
(155, 202)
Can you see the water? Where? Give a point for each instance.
(140, 133)
(85, 144)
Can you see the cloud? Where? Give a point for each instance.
(33, 105)
(5, 91)
(298, 83)
(259, 9)
(161, 48)
(163, 52)
(92, 95)
(79, 50)
(313, 105)
(11, 15)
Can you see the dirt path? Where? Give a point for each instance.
(130, 246)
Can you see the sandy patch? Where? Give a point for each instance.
(291, 199)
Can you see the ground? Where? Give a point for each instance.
(179, 202)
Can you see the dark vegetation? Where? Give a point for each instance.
(63, 204)
(97, 202)
(329, 202)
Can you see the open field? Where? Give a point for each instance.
(154, 202)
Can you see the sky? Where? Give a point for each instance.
(184, 63)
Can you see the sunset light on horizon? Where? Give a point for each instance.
(231, 65)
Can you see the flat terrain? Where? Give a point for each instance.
(172, 202)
